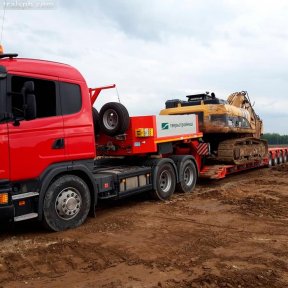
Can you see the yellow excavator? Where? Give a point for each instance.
(231, 126)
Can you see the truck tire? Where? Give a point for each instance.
(114, 119)
(165, 182)
(188, 177)
(96, 121)
(66, 203)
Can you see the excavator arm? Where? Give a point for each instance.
(241, 100)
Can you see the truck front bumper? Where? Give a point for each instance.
(7, 212)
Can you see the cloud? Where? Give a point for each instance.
(164, 49)
(157, 20)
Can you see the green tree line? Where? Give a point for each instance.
(275, 139)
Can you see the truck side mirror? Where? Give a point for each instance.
(30, 111)
(28, 87)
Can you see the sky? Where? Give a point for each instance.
(156, 50)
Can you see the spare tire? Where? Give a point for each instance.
(96, 121)
(114, 119)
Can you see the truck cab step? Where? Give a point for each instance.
(25, 217)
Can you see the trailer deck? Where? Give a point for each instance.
(277, 155)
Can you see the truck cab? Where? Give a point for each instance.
(62, 129)
(59, 132)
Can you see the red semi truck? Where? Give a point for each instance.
(51, 137)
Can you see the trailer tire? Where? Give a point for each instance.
(188, 177)
(96, 120)
(66, 203)
(280, 158)
(285, 157)
(114, 119)
(165, 182)
(270, 163)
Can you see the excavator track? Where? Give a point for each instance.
(242, 150)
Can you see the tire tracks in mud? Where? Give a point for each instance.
(216, 237)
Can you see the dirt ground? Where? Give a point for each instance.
(229, 233)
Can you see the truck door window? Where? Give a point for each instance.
(45, 93)
(71, 101)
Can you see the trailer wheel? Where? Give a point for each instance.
(270, 163)
(285, 157)
(280, 158)
(188, 176)
(114, 118)
(165, 182)
(66, 203)
(275, 160)
(96, 121)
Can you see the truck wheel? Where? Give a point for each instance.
(188, 177)
(96, 121)
(165, 182)
(114, 118)
(66, 203)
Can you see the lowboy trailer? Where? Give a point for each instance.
(59, 156)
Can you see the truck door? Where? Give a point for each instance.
(4, 148)
(4, 152)
(38, 143)
(77, 117)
